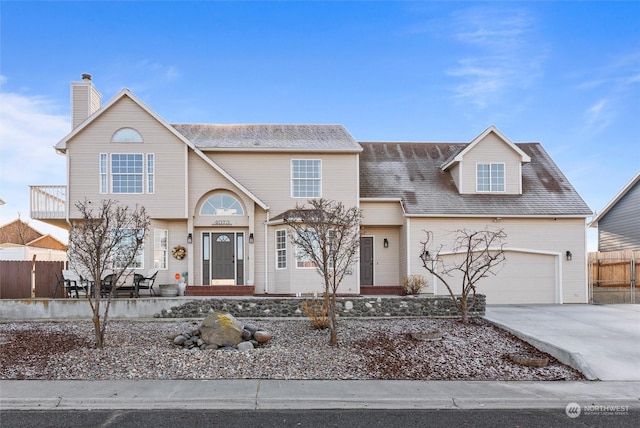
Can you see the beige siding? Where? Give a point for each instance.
(298, 280)
(177, 231)
(168, 201)
(381, 213)
(455, 175)
(79, 104)
(491, 150)
(177, 236)
(85, 100)
(386, 268)
(542, 239)
(403, 252)
(268, 176)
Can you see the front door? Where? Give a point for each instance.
(223, 258)
(366, 260)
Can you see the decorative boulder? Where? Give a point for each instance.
(221, 329)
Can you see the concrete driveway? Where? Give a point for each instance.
(602, 341)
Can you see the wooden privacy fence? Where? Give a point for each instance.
(614, 276)
(16, 279)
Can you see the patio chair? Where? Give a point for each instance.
(73, 282)
(60, 283)
(145, 281)
(107, 285)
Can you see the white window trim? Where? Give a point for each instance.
(215, 214)
(134, 136)
(151, 176)
(139, 257)
(306, 259)
(504, 177)
(280, 250)
(103, 177)
(165, 249)
(142, 174)
(292, 178)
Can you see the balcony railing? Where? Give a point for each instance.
(48, 202)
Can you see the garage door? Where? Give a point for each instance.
(523, 278)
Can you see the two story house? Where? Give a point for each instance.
(220, 191)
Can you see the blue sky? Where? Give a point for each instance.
(565, 74)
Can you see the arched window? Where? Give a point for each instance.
(221, 204)
(126, 135)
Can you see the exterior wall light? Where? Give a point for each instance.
(385, 243)
(251, 238)
(569, 255)
(189, 238)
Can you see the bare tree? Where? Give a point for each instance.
(107, 239)
(482, 252)
(327, 235)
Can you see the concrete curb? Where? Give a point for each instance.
(254, 394)
(572, 359)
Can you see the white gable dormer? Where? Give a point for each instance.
(489, 164)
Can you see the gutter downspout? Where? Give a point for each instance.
(66, 202)
(266, 247)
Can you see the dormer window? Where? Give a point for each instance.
(126, 135)
(490, 177)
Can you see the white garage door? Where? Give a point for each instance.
(523, 278)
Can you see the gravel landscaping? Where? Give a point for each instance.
(368, 349)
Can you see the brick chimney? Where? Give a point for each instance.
(85, 100)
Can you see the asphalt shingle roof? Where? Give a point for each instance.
(413, 171)
(333, 138)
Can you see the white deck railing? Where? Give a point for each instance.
(48, 202)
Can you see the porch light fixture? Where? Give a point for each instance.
(189, 238)
(251, 238)
(569, 255)
(426, 256)
(385, 243)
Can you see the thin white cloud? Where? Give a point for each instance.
(502, 57)
(29, 128)
(599, 116)
(142, 76)
(615, 84)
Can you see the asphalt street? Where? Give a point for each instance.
(549, 418)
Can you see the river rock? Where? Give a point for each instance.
(262, 336)
(221, 329)
(245, 346)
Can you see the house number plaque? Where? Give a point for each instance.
(221, 223)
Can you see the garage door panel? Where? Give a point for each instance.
(524, 278)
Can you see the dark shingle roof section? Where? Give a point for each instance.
(413, 172)
(331, 138)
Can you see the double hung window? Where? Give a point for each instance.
(306, 178)
(160, 248)
(281, 249)
(490, 177)
(126, 172)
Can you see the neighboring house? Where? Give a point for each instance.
(220, 191)
(19, 241)
(619, 222)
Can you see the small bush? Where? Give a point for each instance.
(317, 310)
(413, 284)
